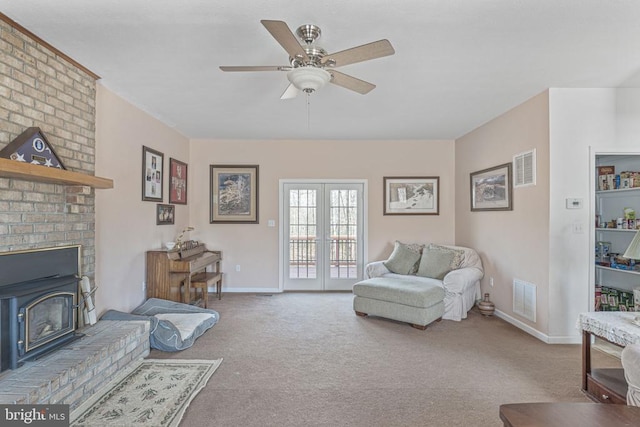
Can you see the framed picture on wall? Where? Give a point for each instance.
(165, 214)
(152, 174)
(177, 182)
(492, 188)
(234, 194)
(416, 195)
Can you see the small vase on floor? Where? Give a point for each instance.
(486, 307)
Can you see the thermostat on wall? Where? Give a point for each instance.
(574, 203)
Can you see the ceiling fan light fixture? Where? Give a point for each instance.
(308, 79)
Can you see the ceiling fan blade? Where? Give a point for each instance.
(351, 83)
(255, 68)
(283, 35)
(360, 53)
(290, 92)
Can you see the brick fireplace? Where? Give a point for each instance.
(42, 87)
(44, 358)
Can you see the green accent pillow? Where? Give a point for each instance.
(435, 263)
(458, 255)
(403, 258)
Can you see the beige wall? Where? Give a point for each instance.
(125, 225)
(255, 246)
(512, 244)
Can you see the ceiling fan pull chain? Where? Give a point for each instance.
(308, 111)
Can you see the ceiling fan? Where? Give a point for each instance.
(310, 66)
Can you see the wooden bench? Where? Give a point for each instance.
(202, 281)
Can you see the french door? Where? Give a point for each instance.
(322, 235)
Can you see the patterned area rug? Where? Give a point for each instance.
(155, 393)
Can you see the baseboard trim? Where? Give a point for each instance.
(531, 331)
(247, 290)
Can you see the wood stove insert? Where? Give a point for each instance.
(38, 301)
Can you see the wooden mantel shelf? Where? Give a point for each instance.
(27, 171)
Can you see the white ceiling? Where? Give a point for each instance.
(458, 63)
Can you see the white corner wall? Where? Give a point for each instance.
(578, 120)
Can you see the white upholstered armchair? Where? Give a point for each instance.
(631, 365)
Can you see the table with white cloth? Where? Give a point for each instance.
(607, 385)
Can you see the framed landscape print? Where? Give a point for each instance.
(491, 189)
(177, 182)
(411, 195)
(234, 194)
(165, 214)
(152, 174)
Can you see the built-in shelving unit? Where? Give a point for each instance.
(602, 267)
(27, 171)
(610, 206)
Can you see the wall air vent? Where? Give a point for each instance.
(524, 169)
(524, 299)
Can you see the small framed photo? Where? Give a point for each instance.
(411, 195)
(152, 174)
(177, 182)
(165, 214)
(234, 194)
(492, 188)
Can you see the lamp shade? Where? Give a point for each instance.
(633, 251)
(308, 79)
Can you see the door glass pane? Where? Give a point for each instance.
(302, 234)
(343, 225)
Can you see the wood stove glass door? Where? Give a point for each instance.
(47, 318)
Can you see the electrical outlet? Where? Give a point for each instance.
(144, 286)
(238, 267)
(491, 281)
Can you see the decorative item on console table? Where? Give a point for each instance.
(179, 239)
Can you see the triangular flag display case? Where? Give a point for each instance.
(26, 155)
(32, 146)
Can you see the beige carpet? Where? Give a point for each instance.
(305, 359)
(151, 393)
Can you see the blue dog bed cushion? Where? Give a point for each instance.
(174, 326)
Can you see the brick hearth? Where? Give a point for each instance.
(73, 373)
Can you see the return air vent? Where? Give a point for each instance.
(524, 299)
(524, 169)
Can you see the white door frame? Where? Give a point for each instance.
(365, 213)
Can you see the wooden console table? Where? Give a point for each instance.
(568, 415)
(606, 385)
(173, 277)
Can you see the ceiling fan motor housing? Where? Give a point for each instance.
(308, 79)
